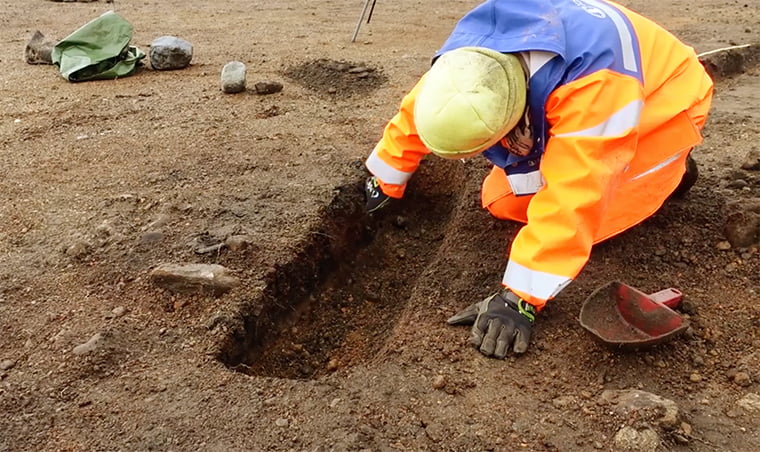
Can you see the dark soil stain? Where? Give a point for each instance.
(336, 78)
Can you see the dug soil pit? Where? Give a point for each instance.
(338, 301)
(336, 78)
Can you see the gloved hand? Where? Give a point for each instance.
(501, 322)
(376, 199)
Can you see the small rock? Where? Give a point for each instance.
(233, 77)
(645, 440)
(752, 161)
(742, 379)
(734, 413)
(169, 53)
(333, 365)
(210, 249)
(267, 87)
(119, 311)
(737, 184)
(89, 346)
(400, 222)
(78, 249)
(742, 226)
(563, 401)
(282, 422)
(647, 405)
(151, 237)
(695, 377)
(237, 242)
(39, 50)
(439, 382)
(689, 307)
(680, 438)
(724, 245)
(189, 278)
(7, 364)
(686, 428)
(750, 403)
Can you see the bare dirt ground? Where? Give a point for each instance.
(336, 337)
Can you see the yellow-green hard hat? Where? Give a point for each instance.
(470, 99)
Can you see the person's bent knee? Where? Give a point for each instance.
(510, 207)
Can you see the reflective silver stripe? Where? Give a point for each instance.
(385, 172)
(537, 284)
(527, 183)
(617, 124)
(629, 54)
(658, 167)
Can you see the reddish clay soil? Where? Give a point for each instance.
(335, 338)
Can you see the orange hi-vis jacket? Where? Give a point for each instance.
(615, 104)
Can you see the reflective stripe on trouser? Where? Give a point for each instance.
(392, 180)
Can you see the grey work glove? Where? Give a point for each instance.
(376, 199)
(501, 322)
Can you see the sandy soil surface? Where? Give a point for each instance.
(335, 336)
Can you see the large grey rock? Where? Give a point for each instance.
(169, 53)
(233, 77)
(187, 278)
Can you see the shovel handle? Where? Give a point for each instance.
(668, 297)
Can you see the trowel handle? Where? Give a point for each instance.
(669, 297)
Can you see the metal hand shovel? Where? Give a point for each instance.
(624, 317)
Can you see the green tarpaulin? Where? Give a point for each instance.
(98, 50)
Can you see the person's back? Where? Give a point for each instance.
(588, 112)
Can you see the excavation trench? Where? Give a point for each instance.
(336, 302)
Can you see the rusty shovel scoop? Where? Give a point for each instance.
(624, 317)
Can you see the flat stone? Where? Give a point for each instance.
(648, 406)
(233, 77)
(89, 346)
(194, 278)
(268, 87)
(170, 53)
(750, 403)
(7, 364)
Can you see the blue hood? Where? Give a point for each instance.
(523, 25)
